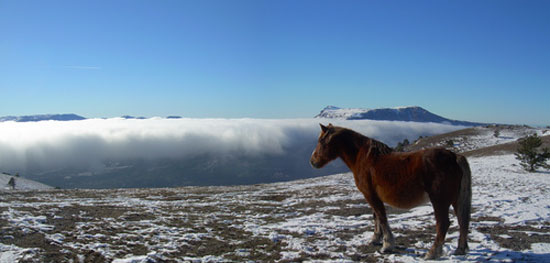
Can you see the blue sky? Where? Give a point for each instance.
(471, 60)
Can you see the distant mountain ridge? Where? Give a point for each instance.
(413, 114)
(66, 117)
(43, 117)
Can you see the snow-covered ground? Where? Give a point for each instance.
(486, 137)
(321, 219)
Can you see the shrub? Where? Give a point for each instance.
(529, 155)
(401, 145)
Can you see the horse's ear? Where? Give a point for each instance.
(323, 127)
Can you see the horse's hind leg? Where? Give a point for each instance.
(441, 211)
(463, 205)
(463, 223)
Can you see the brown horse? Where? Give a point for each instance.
(402, 180)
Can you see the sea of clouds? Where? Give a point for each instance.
(57, 144)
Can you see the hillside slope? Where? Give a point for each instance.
(21, 183)
(478, 141)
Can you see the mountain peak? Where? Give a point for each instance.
(330, 107)
(408, 113)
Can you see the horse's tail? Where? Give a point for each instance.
(464, 204)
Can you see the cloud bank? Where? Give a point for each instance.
(50, 145)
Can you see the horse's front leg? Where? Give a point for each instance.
(382, 221)
(377, 235)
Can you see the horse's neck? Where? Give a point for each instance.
(352, 148)
(362, 152)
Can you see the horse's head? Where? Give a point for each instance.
(325, 150)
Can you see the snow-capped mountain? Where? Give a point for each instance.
(43, 117)
(413, 113)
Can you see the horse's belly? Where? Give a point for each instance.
(404, 199)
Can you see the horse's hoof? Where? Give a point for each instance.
(460, 252)
(386, 249)
(374, 243)
(432, 255)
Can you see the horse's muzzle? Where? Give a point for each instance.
(314, 164)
